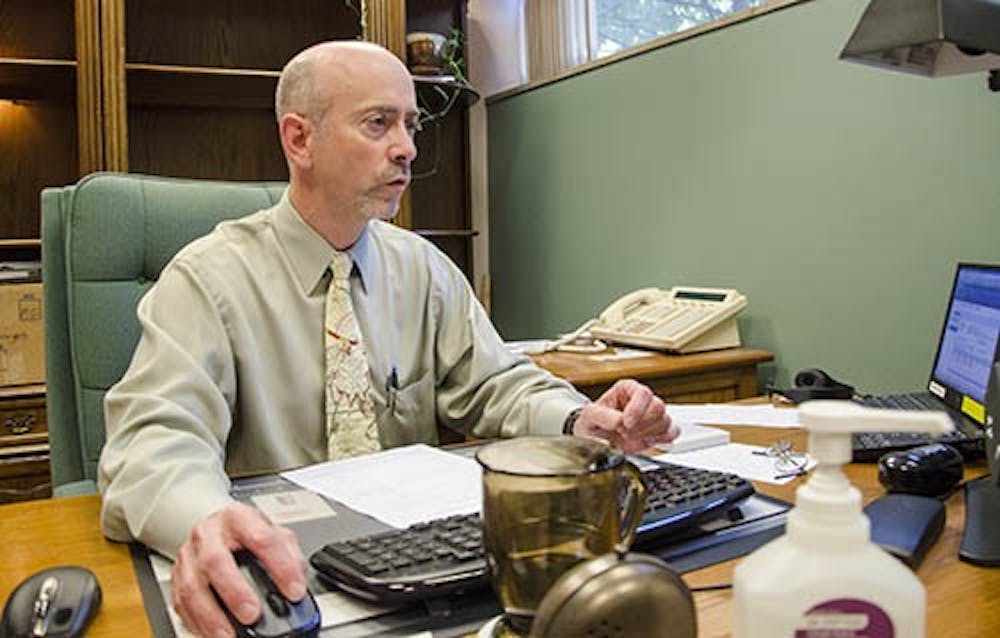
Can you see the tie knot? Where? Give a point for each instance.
(341, 266)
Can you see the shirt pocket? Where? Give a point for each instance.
(407, 414)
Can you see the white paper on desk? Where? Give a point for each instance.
(400, 486)
(737, 458)
(695, 437)
(729, 414)
(621, 354)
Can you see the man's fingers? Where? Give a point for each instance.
(639, 399)
(280, 555)
(212, 545)
(206, 563)
(193, 600)
(275, 547)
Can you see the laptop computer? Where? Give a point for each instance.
(966, 352)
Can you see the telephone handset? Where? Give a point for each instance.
(682, 319)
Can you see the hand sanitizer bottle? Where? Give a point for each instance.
(825, 577)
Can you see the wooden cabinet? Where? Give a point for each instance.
(716, 376)
(24, 448)
(188, 85)
(49, 104)
(440, 193)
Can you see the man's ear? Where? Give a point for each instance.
(295, 132)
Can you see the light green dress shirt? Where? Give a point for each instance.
(228, 374)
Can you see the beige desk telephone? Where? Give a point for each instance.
(682, 319)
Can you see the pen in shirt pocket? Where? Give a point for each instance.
(391, 385)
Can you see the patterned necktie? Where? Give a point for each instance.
(350, 412)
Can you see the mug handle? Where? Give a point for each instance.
(635, 505)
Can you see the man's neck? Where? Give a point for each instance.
(339, 230)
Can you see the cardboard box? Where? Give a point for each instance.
(22, 338)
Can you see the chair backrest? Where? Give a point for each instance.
(105, 240)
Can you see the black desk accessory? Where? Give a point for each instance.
(55, 603)
(981, 539)
(906, 525)
(813, 383)
(928, 470)
(279, 617)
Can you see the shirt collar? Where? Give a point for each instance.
(310, 254)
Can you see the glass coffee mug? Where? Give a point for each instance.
(548, 504)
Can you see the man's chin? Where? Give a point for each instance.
(388, 213)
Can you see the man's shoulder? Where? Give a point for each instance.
(229, 238)
(414, 255)
(401, 239)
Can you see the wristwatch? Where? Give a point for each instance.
(570, 421)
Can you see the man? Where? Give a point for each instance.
(230, 375)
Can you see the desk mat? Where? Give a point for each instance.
(740, 530)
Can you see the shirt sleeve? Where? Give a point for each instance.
(485, 389)
(162, 467)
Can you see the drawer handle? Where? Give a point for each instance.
(19, 423)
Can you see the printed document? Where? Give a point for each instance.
(730, 414)
(400, 486)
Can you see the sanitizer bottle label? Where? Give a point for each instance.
(845, 618)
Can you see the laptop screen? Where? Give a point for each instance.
(968, 346)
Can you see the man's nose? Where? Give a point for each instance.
(405, 148)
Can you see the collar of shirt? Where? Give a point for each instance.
(310, 254)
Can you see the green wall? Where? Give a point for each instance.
(837, 197)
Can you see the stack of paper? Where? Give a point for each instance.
(695, 437)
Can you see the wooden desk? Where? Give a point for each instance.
(703, 377)
(38, 534)
(65, 531)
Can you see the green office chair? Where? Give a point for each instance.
(104, 242)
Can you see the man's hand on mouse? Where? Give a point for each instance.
(629, 416)
(205, 561)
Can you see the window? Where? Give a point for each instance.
(560, 35)
(621, 24)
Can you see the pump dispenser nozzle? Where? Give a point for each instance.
(830, 424)
(828, 504)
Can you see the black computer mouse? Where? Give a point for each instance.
(280, 617)
(59, 601)
(928, 470)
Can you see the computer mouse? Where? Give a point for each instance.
(279, 617)
(928, 470)
(59, 601)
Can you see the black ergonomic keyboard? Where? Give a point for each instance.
(446, 556)
(869, 446)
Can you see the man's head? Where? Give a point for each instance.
(346, 116)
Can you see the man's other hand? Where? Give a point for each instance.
(206, 562)
(629, 416)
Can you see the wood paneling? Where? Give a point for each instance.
(36, 29)
(235, 144)
(39, 149)
(248, 34)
